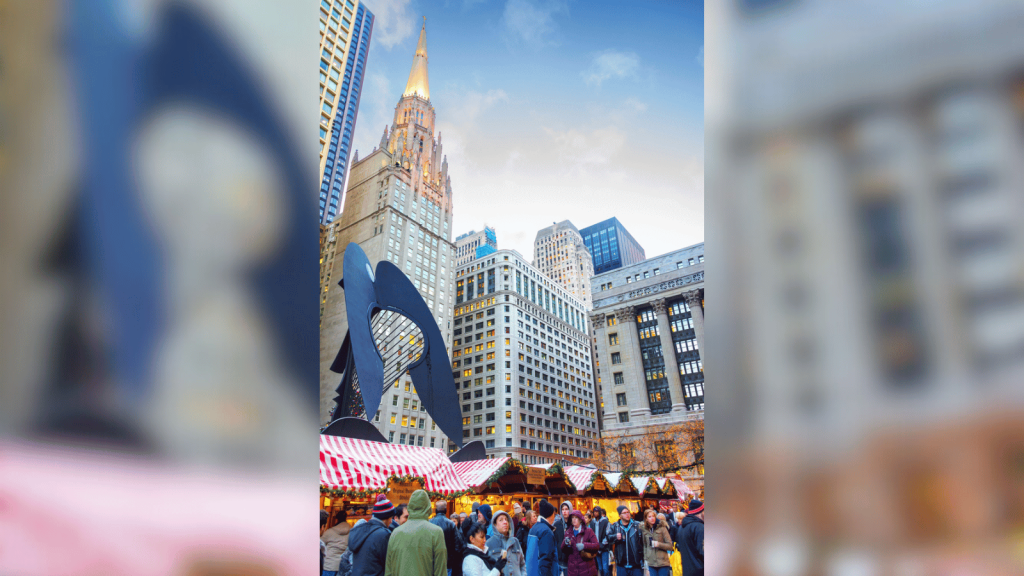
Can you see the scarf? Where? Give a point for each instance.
(488, 561)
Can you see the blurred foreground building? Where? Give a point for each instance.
(521, 357)
(648, 334)
(398, 208)
(345, 30)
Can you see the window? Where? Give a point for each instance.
(618, 378)
(613, 339)
(616, 358)
(623, 416)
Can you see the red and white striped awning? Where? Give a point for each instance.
(681, 488)
(476, 472)
(580, 476)
(349, 464)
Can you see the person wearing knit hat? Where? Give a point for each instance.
(541, 552)
(690, 539)
(627, 544)
(368, 542)
(484, 515)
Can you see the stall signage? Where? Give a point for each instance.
(401, 492)
(535, 475)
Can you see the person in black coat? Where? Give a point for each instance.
(627, 543)
(690, 540)
(601, 527)
(523, 532)
(453, 541)
(559, 529)
(369, 542)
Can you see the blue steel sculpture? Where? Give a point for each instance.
(368, 360)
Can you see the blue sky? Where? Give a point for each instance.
(555, 110)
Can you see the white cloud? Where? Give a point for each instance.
(393, 22)
(635, 105)
(531, 22)
(581, 150)
(700, 56)
(611, 64)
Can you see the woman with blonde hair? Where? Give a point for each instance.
(657, 544)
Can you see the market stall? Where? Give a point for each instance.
(497, 482)
(353, 472)
(557, 486)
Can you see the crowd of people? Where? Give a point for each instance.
(547, 541)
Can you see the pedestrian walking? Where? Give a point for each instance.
(477, 562)
(523, 532)
(401, 515)
(541, 552)
(559, 531)
(369, 542)
(657, 544)
(517, 516)
(417, 547)
(323, 524)
(690, 540)
(580, 546)
(335, 540)
(601, 531)
(627, 544)
(453, 541)
(484, 517)
(504, 540)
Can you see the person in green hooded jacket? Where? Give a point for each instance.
(417, 547)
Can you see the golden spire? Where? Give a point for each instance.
(418, 75)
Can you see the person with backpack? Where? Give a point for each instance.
(369, 541)
(523, 531)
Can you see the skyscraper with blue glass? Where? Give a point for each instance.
(345, 30)
(611, 245)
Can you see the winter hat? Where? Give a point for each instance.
(499, 514)
(696, 507)
(545, 509)
(516, 508)
(620, 509)
(485, 509)
(565, 504)
(476, 505)
(383, 509)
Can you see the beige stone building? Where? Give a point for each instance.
(559, 254)
(398, 208)
(648, 334)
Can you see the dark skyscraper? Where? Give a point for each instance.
(611, 245)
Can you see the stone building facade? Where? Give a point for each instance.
(559, 254)
(398, 208)
(648, 334)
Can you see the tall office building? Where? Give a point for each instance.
(473, 245)
(559, 254)
(521, 358)
(648, 331)
(611, 245)
(345, 30)
(398, 208)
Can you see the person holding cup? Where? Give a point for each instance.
(658, 544)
